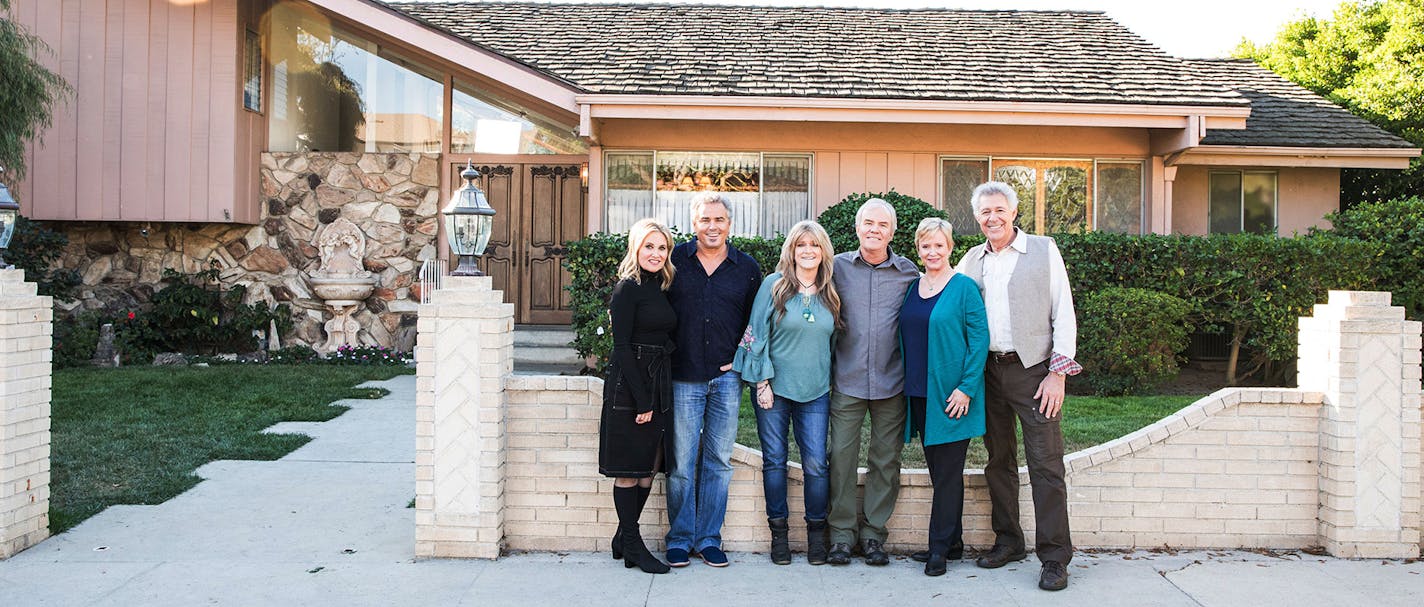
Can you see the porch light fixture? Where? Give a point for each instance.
(9, 213)
(469, 222)
(583, 176)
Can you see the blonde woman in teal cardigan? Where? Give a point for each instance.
(944, 337)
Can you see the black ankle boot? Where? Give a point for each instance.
(636, 554)
(780, 546)
(816, 542)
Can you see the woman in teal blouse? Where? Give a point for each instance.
(944, 336)
(786, 354)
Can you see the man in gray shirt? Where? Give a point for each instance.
(868, 377)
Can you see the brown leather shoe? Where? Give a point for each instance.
(1054, 576)
(999, 556)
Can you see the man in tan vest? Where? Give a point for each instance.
(1032, 340)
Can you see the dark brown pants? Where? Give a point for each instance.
(1009, 389)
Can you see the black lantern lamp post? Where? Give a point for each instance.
(469, 222)
(9, 213)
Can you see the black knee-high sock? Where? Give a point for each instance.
(625, 501)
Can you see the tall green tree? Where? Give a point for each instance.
(28, 92)
(1369, 58)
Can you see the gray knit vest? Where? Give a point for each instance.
(1030, 310)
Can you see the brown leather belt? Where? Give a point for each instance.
(1004, 357)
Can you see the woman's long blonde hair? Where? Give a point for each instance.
(786, 287)
(628, 268)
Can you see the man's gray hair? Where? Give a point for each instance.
(994, 187)
(705, 198)
(876, 202)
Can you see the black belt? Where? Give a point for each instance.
(1004, 357)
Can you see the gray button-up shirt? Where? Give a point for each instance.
(867, 359)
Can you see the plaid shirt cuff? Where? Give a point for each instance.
(1059, 363)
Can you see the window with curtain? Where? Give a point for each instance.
(768, 192)
(1242, 201)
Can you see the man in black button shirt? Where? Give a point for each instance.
(712, 293)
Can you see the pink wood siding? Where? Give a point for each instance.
(155, 130)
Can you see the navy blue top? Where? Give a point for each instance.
(915, 336)
(712, 311)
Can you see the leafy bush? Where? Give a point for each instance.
(194, 315)
(839, 220)
(34, 249)
(75, 340)
(292, 355)
(1130, 339)
(1398, 226)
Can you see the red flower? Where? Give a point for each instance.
(131, 315)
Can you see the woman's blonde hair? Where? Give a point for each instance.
(934, 224)
(628, 268)
(787, 286)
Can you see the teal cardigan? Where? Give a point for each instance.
(958, 350)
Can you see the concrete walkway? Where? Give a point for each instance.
(328, 525)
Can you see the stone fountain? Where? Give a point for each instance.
(341, 280)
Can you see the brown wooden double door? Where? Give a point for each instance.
(538, 207)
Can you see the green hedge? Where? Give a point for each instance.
(1250, 287)
(1398, 226)
(1130, 339)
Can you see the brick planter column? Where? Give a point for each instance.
(1360, 352)
(464, 352)
(25, 329)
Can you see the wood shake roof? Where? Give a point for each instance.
(964, 55)
(1286, 114)
(922, 54)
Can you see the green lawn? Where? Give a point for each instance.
(1088, 421)
(135, 435)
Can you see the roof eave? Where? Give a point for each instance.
(1298, 156)
(828, 109)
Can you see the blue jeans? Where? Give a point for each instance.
(811, 420)
(704, 421)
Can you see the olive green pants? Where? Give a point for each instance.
(882, 476)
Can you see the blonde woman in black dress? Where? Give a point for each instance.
(634, 440)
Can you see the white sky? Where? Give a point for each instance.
(1194, 29)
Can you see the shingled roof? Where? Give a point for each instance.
(962, 55)
(1286, 114)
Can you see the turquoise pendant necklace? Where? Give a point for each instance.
(806, 302)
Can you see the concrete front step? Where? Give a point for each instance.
(524, 368)
(543, 335)
(541, 346)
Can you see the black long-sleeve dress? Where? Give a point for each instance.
(639, 380)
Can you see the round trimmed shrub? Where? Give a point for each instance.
(1129, 339)
(839, 220)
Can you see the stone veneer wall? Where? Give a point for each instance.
(393, 198)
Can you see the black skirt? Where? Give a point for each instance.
(626, 448)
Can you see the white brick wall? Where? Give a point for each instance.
(25, 330)
(1271, 468)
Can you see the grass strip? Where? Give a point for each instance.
(135, 435)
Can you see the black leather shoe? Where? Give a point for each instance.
(999, 556)
(954, 554)
(840, 554)
(936, 565)
(874, 553)
(1054, 576)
